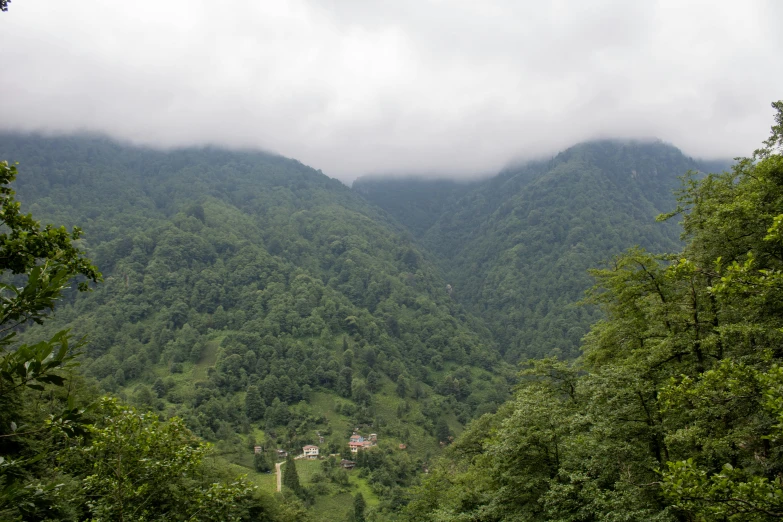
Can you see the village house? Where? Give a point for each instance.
(257, 449)
(356, 442)
(281, 454)
(310, 451)
(347, 464)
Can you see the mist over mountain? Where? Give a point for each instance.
(406, 87)
(272, 307)
(411, 261)
(264, 303)
(516, 248)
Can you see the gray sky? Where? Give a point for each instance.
(358, 86)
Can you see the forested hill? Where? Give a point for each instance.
(516, 248)
(260, 300)
(673, 412)
(417, 203)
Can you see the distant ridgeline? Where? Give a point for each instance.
(516, 248)
(273, 308)
(673, 411)
(253, 295)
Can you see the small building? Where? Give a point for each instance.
(356, 442)
(403, 446)
(257, 449)
(310, 451)
(281, 454)
(347, 464)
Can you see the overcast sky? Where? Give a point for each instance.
(357, 86)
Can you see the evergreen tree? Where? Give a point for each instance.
(373, 381)
(160, 387)
(290, 476)
(344, 385)
(442, 430)
(359, 506)
(261, 462)
(254, 404)
(402, 387)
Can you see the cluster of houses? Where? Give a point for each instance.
(356, 442)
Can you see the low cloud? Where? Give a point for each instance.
(355, 87)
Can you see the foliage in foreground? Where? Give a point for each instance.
(674, 410)
(61, 459)
(133, 466)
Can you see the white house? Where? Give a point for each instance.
(310, 451)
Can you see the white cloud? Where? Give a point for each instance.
(356, 86)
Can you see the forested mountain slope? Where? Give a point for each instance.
(417, 203)
(252, 295)
(517, 247)
(674, 410)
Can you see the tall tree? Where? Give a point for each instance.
(290, 476)
(359, 505)
(254, 403)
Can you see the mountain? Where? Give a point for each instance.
(416, 203)
(673, 412)
(263, 302)
(516, 248)
(270, 306)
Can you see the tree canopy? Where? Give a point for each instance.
(673, 411)
(63, 456)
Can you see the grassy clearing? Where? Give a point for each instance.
(359, 485)
(335, 506)
(266, 482)
(208, 358)
(306, 469)
(323, 404)
(332, 508)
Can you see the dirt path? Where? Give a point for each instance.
(279, 477)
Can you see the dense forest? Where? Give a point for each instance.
(217, 310)
(673, 411)
(516, 248)
(261, 302)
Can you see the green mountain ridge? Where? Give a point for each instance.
(516, 247)
(261, 301)
(269, 305)
(673, 411)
